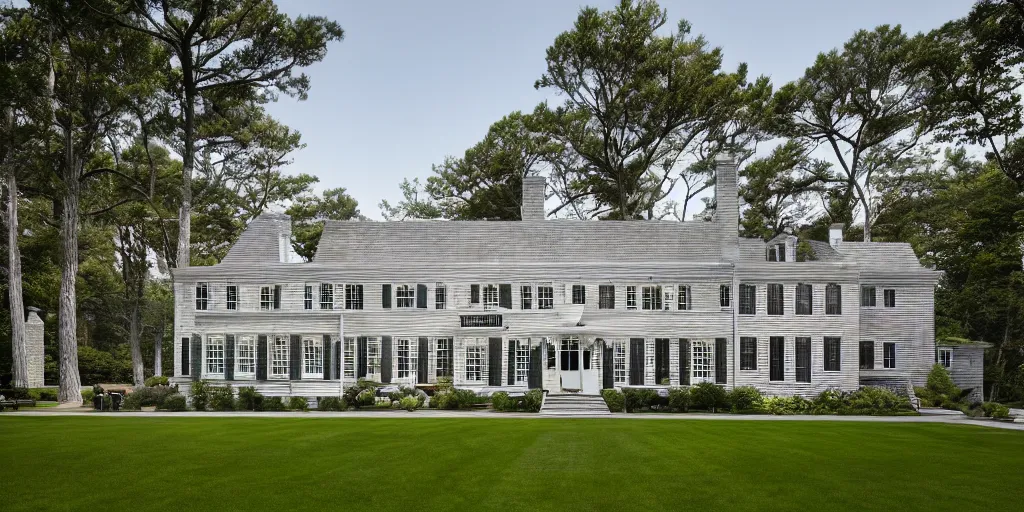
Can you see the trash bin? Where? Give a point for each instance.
(97, 402)
(115, 401)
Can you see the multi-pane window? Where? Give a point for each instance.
(312, 357)
(867, 355)
(326, 296)
(526, 295)
(570, 354)
(775, 299)
(202, 296)
(279, 357)
(748, 353)
(404, 352)
(579, 294)
(490, 296)
(232, 297)
(405, 296)
(266, 297)
(550, 355)
(945, 357)
(669, 296)
(833, 299)
(349, 349)
(803, 359)
(245, 356)
(606, 296)
(724, 295)
(702, 361)
(474, 363)
(353, 296)
(440, 296)
(443, 351)
(804, 303)
(522, 360)
(215, 355)
(832, 354)
(776, 358)
(619, 362)
(307, 297)
(651, 297)
(373, 355)
(889, 296)
(631, 297)
(867, 296)
(683, 298)
(545, 297)
(748, 299)
(888, 355)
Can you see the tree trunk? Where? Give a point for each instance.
(67, 321)
(18, 349)
(158, 349)
(188, 158)
(135, 343)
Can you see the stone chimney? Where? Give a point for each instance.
(533, 198)
(727, 205)
(34, 345)
(835, 235)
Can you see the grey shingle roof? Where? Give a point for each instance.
(881, 255)
(823, 251)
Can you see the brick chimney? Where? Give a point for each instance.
(727, 209)
(533, 198)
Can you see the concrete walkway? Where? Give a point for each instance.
(429, 413)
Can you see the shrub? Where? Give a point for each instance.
(366, 398)
(784, 405)
(532, 400)
(174, 403)
(86, 396)
(940, 381)
(679, 399)
(638, 399)
(614, 399)
(941, 392)
(222, 398)
(156, 381)
(410, 403)
(43, 394)
(830, 401)
(362, 394)
(298, 403)
(457, 399)
(199, 395)
(147, 396)
(273, 403)
(331, 403)
(249, 399)
(444, 384)
(745, 398)
(15, 393)
(500, 401)
(994, 410)
(872, 400)
(709, 396)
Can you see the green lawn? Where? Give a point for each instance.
(109, 464)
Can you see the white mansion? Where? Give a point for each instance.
(567, 306)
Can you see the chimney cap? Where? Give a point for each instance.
(838, 225)
(725, 157)
(33, 309)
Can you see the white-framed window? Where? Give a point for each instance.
(579, 294)
(406, 351)
(215, 355)
(631, 297)
(405, 296)
(373, 355)
(545, 296)
(724, 295)
(619, 361)
(232, 297)
(522, 360)
(440, 296)
(833, 299)
(475, 363)
(867, 296)
(490, 296)
(353, 296)
(651, 298)
(669, 295)
(307, 297)
(349, 355)
(683, 297)
(202, 296)
(312, 357)
(945, 357)
(443, 357)
(326, 296)
(889, 297)
(279, 357)
(888, 355)
(702, 362)
(245, 356)
(266, 297)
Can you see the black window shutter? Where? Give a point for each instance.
(511, 362)
(636, 361)
(721, 358)
(421, 296)
(494, 362)
(660, 360)
(474, 294)
(385, 296)
(229, 357)
(684, 361)
(197, 357)
(422, 361)
(327, 357)
(385, 359)
(535, 367)
(505, 296)
(261, 357)
(277, 296)
(295, 358)
(361, 357)
(337, 359)
(609, 367)
(185, 362)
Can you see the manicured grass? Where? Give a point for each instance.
(108, 463)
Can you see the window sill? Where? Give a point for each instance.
(213, 376)
(245, 376)
(313, 376)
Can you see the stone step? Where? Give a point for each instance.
(569, 405)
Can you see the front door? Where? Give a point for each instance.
(569, 362)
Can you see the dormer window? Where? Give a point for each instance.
(776, 252)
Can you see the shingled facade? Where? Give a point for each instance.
(567, 306)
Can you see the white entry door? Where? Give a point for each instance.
(569, 363)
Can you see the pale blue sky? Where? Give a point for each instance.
(414, 81)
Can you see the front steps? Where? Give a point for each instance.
(574, 405)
